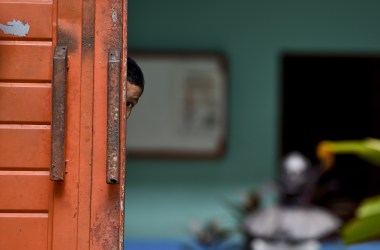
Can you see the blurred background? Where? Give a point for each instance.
(297, 72)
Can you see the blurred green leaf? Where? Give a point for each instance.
(368, 149)
(369, 207)
(371, 151)
(362, 229)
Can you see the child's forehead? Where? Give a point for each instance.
(133, 88)
(132, 83)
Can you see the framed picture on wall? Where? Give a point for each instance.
(183, 110)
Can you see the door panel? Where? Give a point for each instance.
(25, 103)
(26, 46)
(23, 231)
(32, 195)
(25, 146)
(26, 61)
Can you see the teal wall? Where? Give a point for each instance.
(164, 196)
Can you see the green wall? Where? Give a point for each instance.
(162, 197)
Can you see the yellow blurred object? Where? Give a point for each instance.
(326, 154)
(368, 150)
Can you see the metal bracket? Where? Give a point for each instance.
(58, 114)
(113, 118)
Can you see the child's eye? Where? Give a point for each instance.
(130, 105)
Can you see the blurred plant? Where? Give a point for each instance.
(210, 235)
(366, 224)
(368, 150)
(251, 202)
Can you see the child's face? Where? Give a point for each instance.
(133, 94)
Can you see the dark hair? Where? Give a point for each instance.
(134, 74)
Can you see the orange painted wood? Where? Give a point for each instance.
(66, 199)
(23, 231)
(26, 61)
(25, 103)
(86, 126)
(24, 190)
(84, 212)
(106, 204)
(38, 14)
(123, 122)
(25, 146)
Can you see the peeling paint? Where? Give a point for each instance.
(114, 16)
(16, 28)
(106, 229)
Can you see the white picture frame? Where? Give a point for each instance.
(183, 110)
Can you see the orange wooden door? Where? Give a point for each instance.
(82, 211)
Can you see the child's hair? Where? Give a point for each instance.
(134, 74)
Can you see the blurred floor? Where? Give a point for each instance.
(187, 245)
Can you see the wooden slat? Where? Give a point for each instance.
(24, 191)
(25, 146)
(25, 103)
(32, 18)
(23, 231)
(25, 61)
